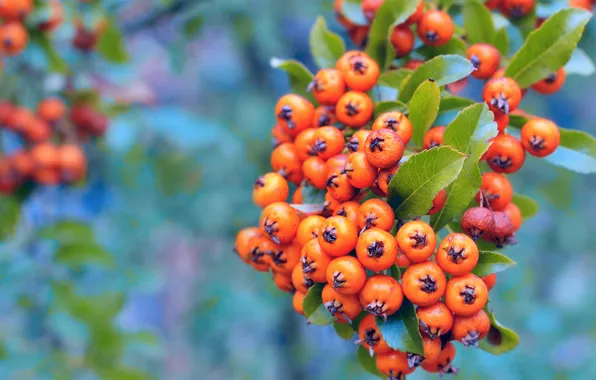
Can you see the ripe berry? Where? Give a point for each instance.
(339, 187)
(362, 73)
(477, 222)
(51, 110)
(294, 113)
(384, 178)
(551, 83)
(270, 188)
(424, 283)
(328, 142)
(280, 222)
(283, 282)
(314, 261)
(444, 364)
(502, 95)
(344, 62)
(397, 122)
(309, 228)
(370, 7)
(46, 163)
(376, 213)
(506, 154)
(344, 308)
(376, 249)
(438, 202)
(330, 205)
(305, 144)
(495, 191)
(492, 4)
(336, 162)
(502, 121)
(339, 236)
(285, 161)
(434, 320)
(360, 173)
(469, 330)
(259, 249)
(416, 240)
(72, 162)
(434, 137)
(457, 254)
(22, 164)
(583, 4)
(370, 336)
(540, 137)
(15, 10)
(402, 38)
(466, 295)
(417, 15)
(297, 300)
(485, 58)
(328, 86)
(384, 148)
(490, 281)
(354, 109)
(359, 35)
(357, 141)
(285, 257)
(37, 131)
(514, 213)
(324, 115)
(432, 350)
(349, 210)
(243, 241)
(315, 172)
(302, 282)
(381, 295)
(346, 275)
(13, 38)
(504, 230)
(435, 28)
(401, 260)
(394, 365)
(516, 8)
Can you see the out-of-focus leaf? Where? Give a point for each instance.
(326, 47)
(500, 339)
(298, 75)
(193, 26)
(527, 205)
(81, 253)
(368, 362)
(478, 22)
(10, 209)
(111, 44)
(491, 262)
(343, 330)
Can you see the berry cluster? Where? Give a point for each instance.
(50, 152)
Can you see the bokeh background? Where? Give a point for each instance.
(173, 185)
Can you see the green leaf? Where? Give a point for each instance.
(444, 69)
(326, 47)
(468, 133)
(454, 46)
(10, 209)
(368, 362)
(76, 255)
(390, 105)
(577, 152)
(193, 26)
(478, 22)
(352, 10)
(549, 47)
(491, 262)
(580, 64)
(451, 103)
(111, 44)
(86, 96)
(55, 62)
(312, 300)
(517, 121)
(312, 195)
(501, 41)
(418, 180)
(321, 317)
(343, 330)
(394, 78)
(395, 272)
(389, 15)
(298, 75)
(527, 205)
(67, 232)
(424, 108)
(400, 331)
(500, 339)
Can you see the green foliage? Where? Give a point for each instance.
(491, 262)
(549, 47)
(55, 61)
(352, 10)
(454, 46)
(467, 133)
(527, 205)
(452, 103)
(388, 106)
(400, 330)
(193, 26)
(501, 41)
(367, 361)
(424, 108)
(395, 272)
(412, 190)
(394, 78)
(10, 209)
(478, 22)
(298, 75)
(343, 330)
(577, 152)
(313, 307)
(111, 44)
(326, 47)
(312, 195)
(500, 338)
(77, 255)
(444, 69)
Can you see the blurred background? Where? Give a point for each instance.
(172, 186)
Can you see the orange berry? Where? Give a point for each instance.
(46, 163)
(496, 190)
(328, 86)
(344, 308)
(362, 73)
(370, 8)
(259, 249)
(302, 282)
(357, 141)
(376, 213)
(444, 363)
(309, 228)
(285, 257)
(349, 210)
(283, 282)
(432, 350)
(314, 261)
(330, 205)
(285, 161)
(384, 148)
(397, 122)
(315, 172)
(359, 35)
(13, 37)
(324, 115)
(584, 4)
(370, 336)
(381, 295)
(424, 283)
(502, 121)
(416, 240)
(280, 222)
(438, 202)
(279, 136)
(343, 64)
(376, 249)
(469, 330)
(417, 15)
(413, 64)
(435, 28)
(328, 142)
(457, 254)
(51, 110)
(243, 241)
(346, 275)
(434, 137)
(336, 162)
(540, 137)
(305, 144)
(502, 95)
(401, 260)
(516, 8)
(359, 172)
(394, 364)
(339, 236)
(270, 188)
(466, 295)
(514, 213)
(385, 176)
(485, 58)
(297, 196)
(72, 162)
(550, 84)
(297, 300)
(16, 10)
(506, 154)
(294, 113)
(402, 39)
(339, 187)
(490, 280)
(434, 320)
(354, 109)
